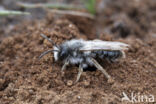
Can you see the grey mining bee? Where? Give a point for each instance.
(84, 53)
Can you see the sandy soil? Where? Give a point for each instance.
(26, 80)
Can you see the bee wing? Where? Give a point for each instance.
(103, 45)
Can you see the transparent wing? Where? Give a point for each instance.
(103, 45)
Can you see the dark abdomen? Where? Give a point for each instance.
(111, 55)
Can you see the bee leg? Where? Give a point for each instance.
(79, 73)
(99, 67)
(64, 66)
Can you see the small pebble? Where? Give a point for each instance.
(111, 81)
(70, 25)
(78, 97)
(31, 91)
(86, 83)
(69, 83)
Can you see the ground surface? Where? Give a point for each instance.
(26, 80)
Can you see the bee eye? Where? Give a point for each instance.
(63, 54)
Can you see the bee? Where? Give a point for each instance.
(85, 53)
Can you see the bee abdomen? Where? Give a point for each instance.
(109, 54)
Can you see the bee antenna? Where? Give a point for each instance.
(44, 36)
(46, 52)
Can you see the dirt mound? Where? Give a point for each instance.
(24, 78)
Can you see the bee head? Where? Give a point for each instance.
(62, 54)
(56, 49)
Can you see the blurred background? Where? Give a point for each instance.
(121, 18)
